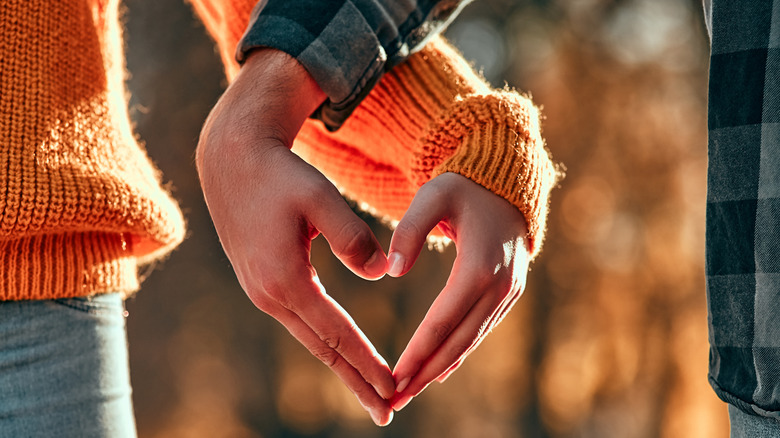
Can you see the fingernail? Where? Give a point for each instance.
(376, 264)
(376, 416)
(402, 402)
(396, 264)
(402, 384)
(378, 420)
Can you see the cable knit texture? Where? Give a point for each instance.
(430, 115)
(80, 203)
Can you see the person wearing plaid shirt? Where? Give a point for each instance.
(743, 212)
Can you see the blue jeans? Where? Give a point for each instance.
(64, 369)
(752, 426)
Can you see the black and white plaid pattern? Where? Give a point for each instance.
(743, 204)
(346, 45)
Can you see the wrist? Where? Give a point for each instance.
(275, 94)
(264, 107)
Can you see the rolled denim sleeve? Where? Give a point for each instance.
(346, 45)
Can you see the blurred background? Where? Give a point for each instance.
(609, 339)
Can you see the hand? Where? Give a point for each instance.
(487, 278)
(267, 205)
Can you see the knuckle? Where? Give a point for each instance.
(326, 355)
(278, 293)
(408, 229)
(332, 340)
(321, 189)
(460, 348)
(441, 330)
(356, 240)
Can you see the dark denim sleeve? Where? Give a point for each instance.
(346, 45)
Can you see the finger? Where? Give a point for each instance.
(337, 330)
(493, 322)
(350, 239)
(305, 296)
(288, 289)
(477, 288)
(379, 408)
(300, 291)
(495, 319)
(427, 209)
(468, 333)
(446, 313)
(512, 286)
(517, 289)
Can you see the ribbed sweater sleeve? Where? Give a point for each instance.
(81, 204)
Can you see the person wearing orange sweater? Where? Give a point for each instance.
(427, 145)
(81, 207)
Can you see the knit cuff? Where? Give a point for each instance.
(66, 265)
(494, 140)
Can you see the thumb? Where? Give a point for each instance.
(350, 239)
(428, 207)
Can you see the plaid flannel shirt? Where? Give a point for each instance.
(346, 45)
(743, 204)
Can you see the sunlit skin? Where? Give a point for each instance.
(487, 278)
(267, 205)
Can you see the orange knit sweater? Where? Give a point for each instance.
(80, 203)
(430, 115)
